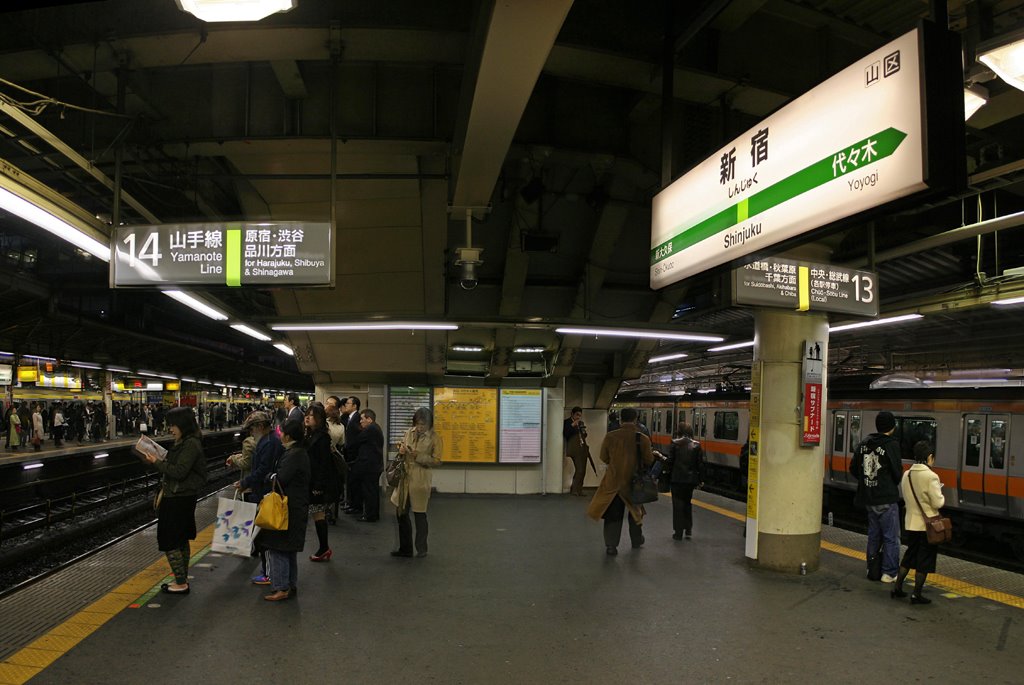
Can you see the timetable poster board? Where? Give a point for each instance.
(520, 427)
(467, 421)
(403, 401)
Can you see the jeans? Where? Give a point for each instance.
(884, 532)
(284, 570)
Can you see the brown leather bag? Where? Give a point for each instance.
(937, 529)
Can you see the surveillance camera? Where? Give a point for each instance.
(468, 259)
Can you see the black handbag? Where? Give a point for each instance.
(644, 487)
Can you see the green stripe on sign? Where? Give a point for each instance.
(233, 272)
(845, 161)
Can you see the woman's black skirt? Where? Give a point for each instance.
(176, 522)
(920, 554)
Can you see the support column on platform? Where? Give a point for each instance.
(784, 494)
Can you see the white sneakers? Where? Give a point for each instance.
(886, 578)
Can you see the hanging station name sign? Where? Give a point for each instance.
(233, 255)
(853, 143)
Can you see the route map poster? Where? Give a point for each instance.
(467, 421)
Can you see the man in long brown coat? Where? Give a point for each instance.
(620, 450)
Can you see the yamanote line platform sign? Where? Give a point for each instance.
(232, 255)
(850, 144)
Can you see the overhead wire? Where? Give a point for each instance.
(36, 107)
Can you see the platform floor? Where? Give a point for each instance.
(515, 590)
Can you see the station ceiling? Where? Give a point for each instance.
(543, 116)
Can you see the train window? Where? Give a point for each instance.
(997, 446)
(839, 439)
(972, 447)
(727, 425)
(910, 431)
(854, 431)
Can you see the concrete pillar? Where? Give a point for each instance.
(785, 477)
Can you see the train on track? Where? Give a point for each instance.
(976, 437)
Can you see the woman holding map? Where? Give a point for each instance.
(421, 450)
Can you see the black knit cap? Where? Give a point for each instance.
(885, 421)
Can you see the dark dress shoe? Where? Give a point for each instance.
(166, 588)
(422, 554)
(919, 599)
(896, 593)
(611, 551)
(677, 536)
(400, 553)
(638, 545)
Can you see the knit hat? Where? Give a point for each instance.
(257, 417)
(885, 421)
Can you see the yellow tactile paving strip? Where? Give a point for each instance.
(29, 661)
(954, 585)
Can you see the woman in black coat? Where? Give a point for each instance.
(283, 546)
(324, 485)
(686, 468)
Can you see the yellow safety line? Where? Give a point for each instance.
(955, 585)
(58, 641)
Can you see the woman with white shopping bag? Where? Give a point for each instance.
(283, 546)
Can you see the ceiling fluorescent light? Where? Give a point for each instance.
(367, 326)
(118, 369)
(977, 381)
(667, 357)
(874, 322)
(196, 304)
(85, 365)
(1012, 300)
(528, 350)
(251, 332)
(734, 346)
(638, 333)
(234, 10)
(34, 465)
(467, 348)
(975, 98)
(40, 358)
(33, 213)
(284, 348)
(1005, 56)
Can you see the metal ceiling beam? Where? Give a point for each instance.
(519, 39)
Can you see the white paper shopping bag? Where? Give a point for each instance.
(236, 528)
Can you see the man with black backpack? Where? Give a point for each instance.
(878, 468)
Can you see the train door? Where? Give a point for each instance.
(700, 424)
(983, 463)
(846, 436)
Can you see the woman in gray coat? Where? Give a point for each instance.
(283, 546)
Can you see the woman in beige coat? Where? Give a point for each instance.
(421, 449)
(920, 554)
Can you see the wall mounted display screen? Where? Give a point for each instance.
(467, 421)
(520, 427)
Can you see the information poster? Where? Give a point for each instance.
(403, 401)
(467, 421)
(520, 427)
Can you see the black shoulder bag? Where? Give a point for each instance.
(644, 487)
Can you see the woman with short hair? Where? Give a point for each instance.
(921, 481)
(421, 448)
(184, 473)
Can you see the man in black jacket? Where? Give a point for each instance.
(686, 471)
(878, 468)
(369, 462)
(350, 417)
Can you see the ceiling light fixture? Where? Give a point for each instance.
(975, 97)
(284, 348)
(874, 322)
(467, 348)
(196, 304)
(1012, 300)
(33, 211)
(667, 357)
(367, 326)
(734, 346)
(638, 333)
(528, 350)
(234, 10)
(251, 332)
(1005, 56)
